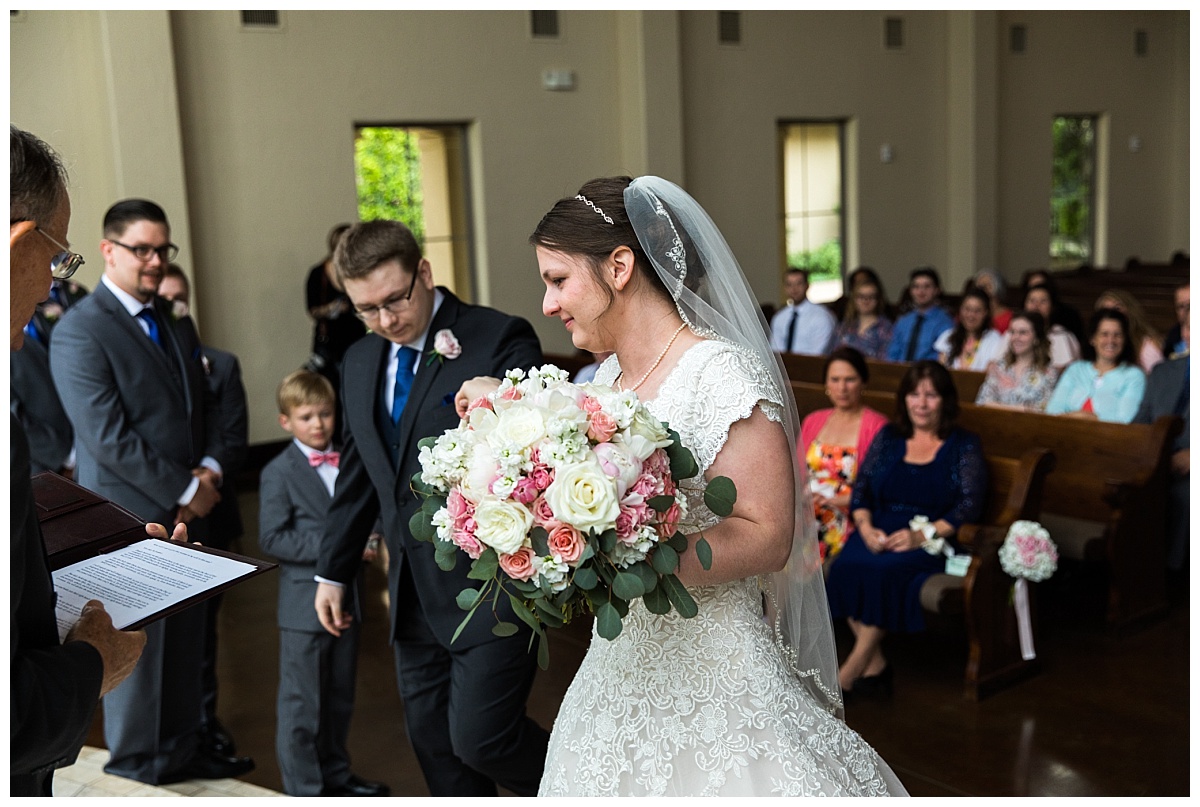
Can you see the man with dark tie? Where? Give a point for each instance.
(915, 332)
(464, 700)
(131, 377)
(801, 326)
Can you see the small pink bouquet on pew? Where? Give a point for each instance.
(566, 499)
(1027, 554)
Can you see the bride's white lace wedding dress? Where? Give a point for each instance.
(703, 706)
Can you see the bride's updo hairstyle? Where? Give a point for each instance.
(593, 226)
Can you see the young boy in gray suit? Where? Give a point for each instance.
(316, 669)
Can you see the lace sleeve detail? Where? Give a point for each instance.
(607, 372)
(969, 479)
(715, 385)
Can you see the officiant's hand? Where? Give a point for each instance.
(119, 650)
(180, 533)
(329, 608)
(472, 390)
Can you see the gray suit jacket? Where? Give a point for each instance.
(231, 442)
(1163, 390)
(369, 487)
(143, 417)
(34, 402)
(293, 505)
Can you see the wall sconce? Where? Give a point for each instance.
(885, 153)
(1135, 144)
(558, 79)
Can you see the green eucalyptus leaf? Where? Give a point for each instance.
(661, 504)
(628, 586)
(704, 553)
(504, 629)
(720, 496)
(679, 596)
(657, 601)
(523, 613)
(622, 606)
(678, 542)
(468, 598)
(445, 554)
(549, 614)
(608, 621)
(564, 596)
(645, 574)
(485, 566)
(543, 651)
(589, 552)
(538, 537)
(665, 559)
(427, 442)
(608, 541)
(683, 463)
(420, 526)
(462, 625)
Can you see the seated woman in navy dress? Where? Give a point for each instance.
(921, 464)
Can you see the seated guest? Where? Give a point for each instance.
(972, 344)
(1064, 347)
(915, 332)
(802, 326)
(1145, 340)
(1107, 384)
(1023, 378)
(833, 441)
(1175, 342)
(1065, 315)
(990, 281)
(921, 464)
(865, 326)
(1167, 394)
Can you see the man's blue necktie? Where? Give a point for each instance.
(405, 359)
(789, 347)
(147, 316)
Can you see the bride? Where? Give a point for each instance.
(743, 698)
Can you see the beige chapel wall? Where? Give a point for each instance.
(1082, 63)
(820, 65)
(268, 121)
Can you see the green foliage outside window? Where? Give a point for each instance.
(822, 263)
(1072, 191)
(387, 169)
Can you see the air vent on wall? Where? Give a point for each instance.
(544, 24)
(893, 33)
(1141, 43)
(729, 27)
(1016, 39)
(260, 19)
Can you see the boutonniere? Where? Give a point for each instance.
(179, 310)
(445, 346)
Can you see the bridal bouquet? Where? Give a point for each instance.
(565, 497)
(1027, 554)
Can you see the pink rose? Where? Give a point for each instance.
(457, 505)
(647, 486)
(566, 542)
(668, 521)
(480, 402)
(601, 427)
(446, 345)
(591, 404)
(511, 394)
(525, 491)
(518, 565)
(543, 514)
(627, 524)
(541, 476)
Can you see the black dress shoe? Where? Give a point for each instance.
(217, 740)
(354, 786)
(207, 765)
(875, 686)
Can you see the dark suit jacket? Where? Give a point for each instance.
(34, 402)
(54, 688)
(224, 377)
(293, 505)
(1163, 390)
(143, 416)
(368, 486)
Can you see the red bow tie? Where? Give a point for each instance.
(331, 457)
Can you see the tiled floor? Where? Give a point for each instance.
(1107, 716)
(86, 778)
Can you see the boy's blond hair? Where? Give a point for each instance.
(303, 388)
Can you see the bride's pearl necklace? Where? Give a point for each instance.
(657, 362)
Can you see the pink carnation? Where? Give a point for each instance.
(467, 542)
(668, 521)
(629, 520)
(566, 542)
(601, 427)
(647, 486)
(525, 491)
(518, 565)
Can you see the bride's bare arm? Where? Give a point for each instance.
(757, 537)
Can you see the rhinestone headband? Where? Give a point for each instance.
(592, 205)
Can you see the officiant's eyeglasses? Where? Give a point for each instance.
(393, 305)
(64, 264)
(166, 253)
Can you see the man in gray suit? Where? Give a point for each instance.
(131, 377)
(464, 701)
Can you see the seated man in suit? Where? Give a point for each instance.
(802, 326)
(915, 332)
(464, 701)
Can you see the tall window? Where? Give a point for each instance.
(417, 175)
(1073, 191)
(813, 204)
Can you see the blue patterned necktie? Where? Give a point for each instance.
(147, 316)
(405, 359)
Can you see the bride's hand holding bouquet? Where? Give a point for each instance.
(566, 499)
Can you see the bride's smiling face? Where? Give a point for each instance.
(575, 296)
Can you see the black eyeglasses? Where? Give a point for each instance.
(393, 306)
(64, 264)
(166, 253)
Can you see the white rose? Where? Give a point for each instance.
(502, 525)
(519, 426)
(582, 496)
(646, 425)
